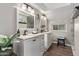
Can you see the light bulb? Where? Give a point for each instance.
(45, 18)
(23, 6)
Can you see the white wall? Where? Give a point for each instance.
(62, 15)
(76, 34)
(76, 41)
(7, 19)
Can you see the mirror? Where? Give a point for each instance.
(25, 20)
(30, 21)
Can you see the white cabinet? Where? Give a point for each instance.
(18, 47)
(42, 47)
(34, 45)
(30, 47)
(48, 40)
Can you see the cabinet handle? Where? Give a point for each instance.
(34, 40)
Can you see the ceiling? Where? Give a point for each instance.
(53, 10)
(51, 6)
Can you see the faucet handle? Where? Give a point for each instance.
(25, 32)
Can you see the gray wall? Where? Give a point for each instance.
(7, 19)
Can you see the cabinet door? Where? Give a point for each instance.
(48, 40)
(41, 43)
(50, 37)
(31, 48)
(37, 46)
(18, 47)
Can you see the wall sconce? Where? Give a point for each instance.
(24, 7)
(45, 18)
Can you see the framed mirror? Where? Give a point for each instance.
(25, 20)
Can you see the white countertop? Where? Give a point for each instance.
(24, 37)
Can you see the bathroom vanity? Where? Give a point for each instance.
(29, 45)
(32, 44)
(48, 40)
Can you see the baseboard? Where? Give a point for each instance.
(54, 42)
(65, 44)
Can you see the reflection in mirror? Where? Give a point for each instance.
(22, 19)
(30, 21)
(44, 23)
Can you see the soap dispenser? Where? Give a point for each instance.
(18, 32)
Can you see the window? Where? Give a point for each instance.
(55, 27)
(59, 27)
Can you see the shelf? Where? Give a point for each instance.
(22, 23)
(22, 28)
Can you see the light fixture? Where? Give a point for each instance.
(42, 17)
(32, 11)
(24, 7)
(29, 8)
(45, 18)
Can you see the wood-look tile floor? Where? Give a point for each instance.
(55, 50)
